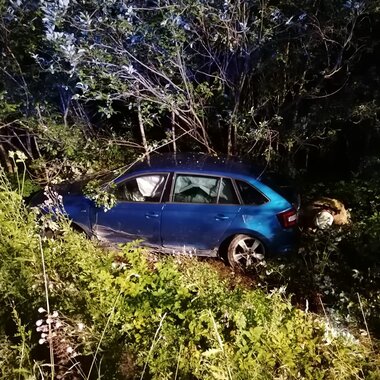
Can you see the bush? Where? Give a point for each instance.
(337, 271)
(78, 310)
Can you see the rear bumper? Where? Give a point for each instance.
(285, 242)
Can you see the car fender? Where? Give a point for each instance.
(231, 233)
(79, 210)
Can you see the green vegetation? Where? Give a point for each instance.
(129, 314)
(89, 86)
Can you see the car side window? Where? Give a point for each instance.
(227, 194)
(195, 189)
(250, 195)
(147, 188)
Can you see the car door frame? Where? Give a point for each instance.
(120, 182)
(169, 201)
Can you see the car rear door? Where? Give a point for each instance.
(137, 213)
(201, 209)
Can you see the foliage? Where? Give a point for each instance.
(132, 314)
(88, 85)
(100, 195)
(92, 82)
(336, 271)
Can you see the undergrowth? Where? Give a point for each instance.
(70, 309)
(336, 272)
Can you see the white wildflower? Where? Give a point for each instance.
(21, 155)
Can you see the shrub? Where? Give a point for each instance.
(351, 262)
(129, 314)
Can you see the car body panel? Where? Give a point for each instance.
(196, 227)
(79, 209)
(128, 221)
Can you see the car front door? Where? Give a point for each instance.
(200, 210)
(137, 212)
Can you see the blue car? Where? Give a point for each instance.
(193, 204)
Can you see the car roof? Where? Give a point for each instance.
(196, 162)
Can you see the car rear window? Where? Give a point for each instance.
(250, 195)
(283, 186)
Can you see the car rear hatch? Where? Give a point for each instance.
(284, 187)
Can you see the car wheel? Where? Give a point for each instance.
(245, 252)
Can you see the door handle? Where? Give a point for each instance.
(150, 215)
(222, 217)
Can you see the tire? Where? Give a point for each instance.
(245, 252)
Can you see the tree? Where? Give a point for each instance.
(252, 78)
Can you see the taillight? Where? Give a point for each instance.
(288, 218)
